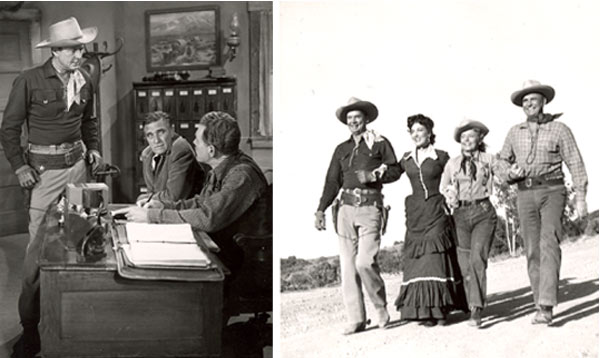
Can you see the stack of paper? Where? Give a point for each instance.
(163, 245)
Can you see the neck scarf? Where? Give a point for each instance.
(467, 165)
(74, 85)
(542, 118)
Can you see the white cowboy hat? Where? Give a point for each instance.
(67, 33)
(467, 124)
(532, 86)
(368, 108)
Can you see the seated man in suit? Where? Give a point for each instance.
(233, 200)
(170, 170)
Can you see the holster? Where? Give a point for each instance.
(335, 209)
(385, 213)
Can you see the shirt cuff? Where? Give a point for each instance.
(154, 215)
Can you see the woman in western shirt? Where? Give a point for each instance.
(467, 185)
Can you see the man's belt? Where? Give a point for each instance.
(362, 197)
(472, 202)
(45, 157)
(538, 182)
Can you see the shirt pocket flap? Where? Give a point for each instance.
(43, 96)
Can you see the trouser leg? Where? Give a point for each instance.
(552, 206)
(481, 242)
(351, 282)
(369, 223)
(43, 196)
(463, 235)
(529, 218)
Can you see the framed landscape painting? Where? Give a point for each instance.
(182, 39)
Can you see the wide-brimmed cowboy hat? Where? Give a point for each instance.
(532, 86)
(368, 108)
(467, 124)
(67, 33)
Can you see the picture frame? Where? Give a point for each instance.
(183, 39)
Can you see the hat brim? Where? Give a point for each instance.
(368, 108)
(471, 125)
(88, 35)
(546, 91)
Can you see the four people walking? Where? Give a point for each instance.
(441, 250)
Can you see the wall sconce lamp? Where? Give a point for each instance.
(233, 41)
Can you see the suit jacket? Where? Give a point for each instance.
(178, 176)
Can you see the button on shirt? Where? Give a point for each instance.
(468, 189)
(349, 157)
(555, 144)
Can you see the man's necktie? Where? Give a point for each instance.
(157, 160)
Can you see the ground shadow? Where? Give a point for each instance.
(511, 305)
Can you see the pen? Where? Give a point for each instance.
(149, 198)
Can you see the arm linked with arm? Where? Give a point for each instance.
(14, 116)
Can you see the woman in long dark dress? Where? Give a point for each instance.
(432, 286)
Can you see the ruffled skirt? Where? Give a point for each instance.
(432, 285)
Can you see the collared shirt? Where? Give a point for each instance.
(468, 189)
(349, 157)
(37, 98)
(424, 175)
(555, 144)
(229, 191)
(419, 155)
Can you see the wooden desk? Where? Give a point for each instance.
(87, 310)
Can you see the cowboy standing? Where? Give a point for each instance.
(536, 150)
(54, 100)
(360, 166)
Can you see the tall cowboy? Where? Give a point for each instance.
(536, 149)
(359, 167)
(55, 102)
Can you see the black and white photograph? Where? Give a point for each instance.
(438, 159)
(136, 173)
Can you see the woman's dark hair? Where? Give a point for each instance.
(424, 121)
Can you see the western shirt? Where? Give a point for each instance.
(37, 99)
(229, 191)
(486, 165)
(348, 158)
(543, 157)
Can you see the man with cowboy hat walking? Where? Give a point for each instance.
(359, 167)
(533, 154)
(55, 101)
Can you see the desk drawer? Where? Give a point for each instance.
(98, 314)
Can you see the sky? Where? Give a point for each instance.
(449, 60)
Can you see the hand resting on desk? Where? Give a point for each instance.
(133, 213)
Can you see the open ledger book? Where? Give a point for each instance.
(163, 245)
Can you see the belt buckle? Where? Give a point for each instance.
(528, 182)
(357, 197)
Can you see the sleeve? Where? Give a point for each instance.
(505, 158)
(238, 192)
(499, 168)
(572, 158)
(393, 171)
(179, 169)
(15, 114)
(446, 177)
(89, 123)
(333, 182)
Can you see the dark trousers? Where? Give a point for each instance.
(540, 213)
(475, 228)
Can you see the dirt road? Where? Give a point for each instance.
(311, 321)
